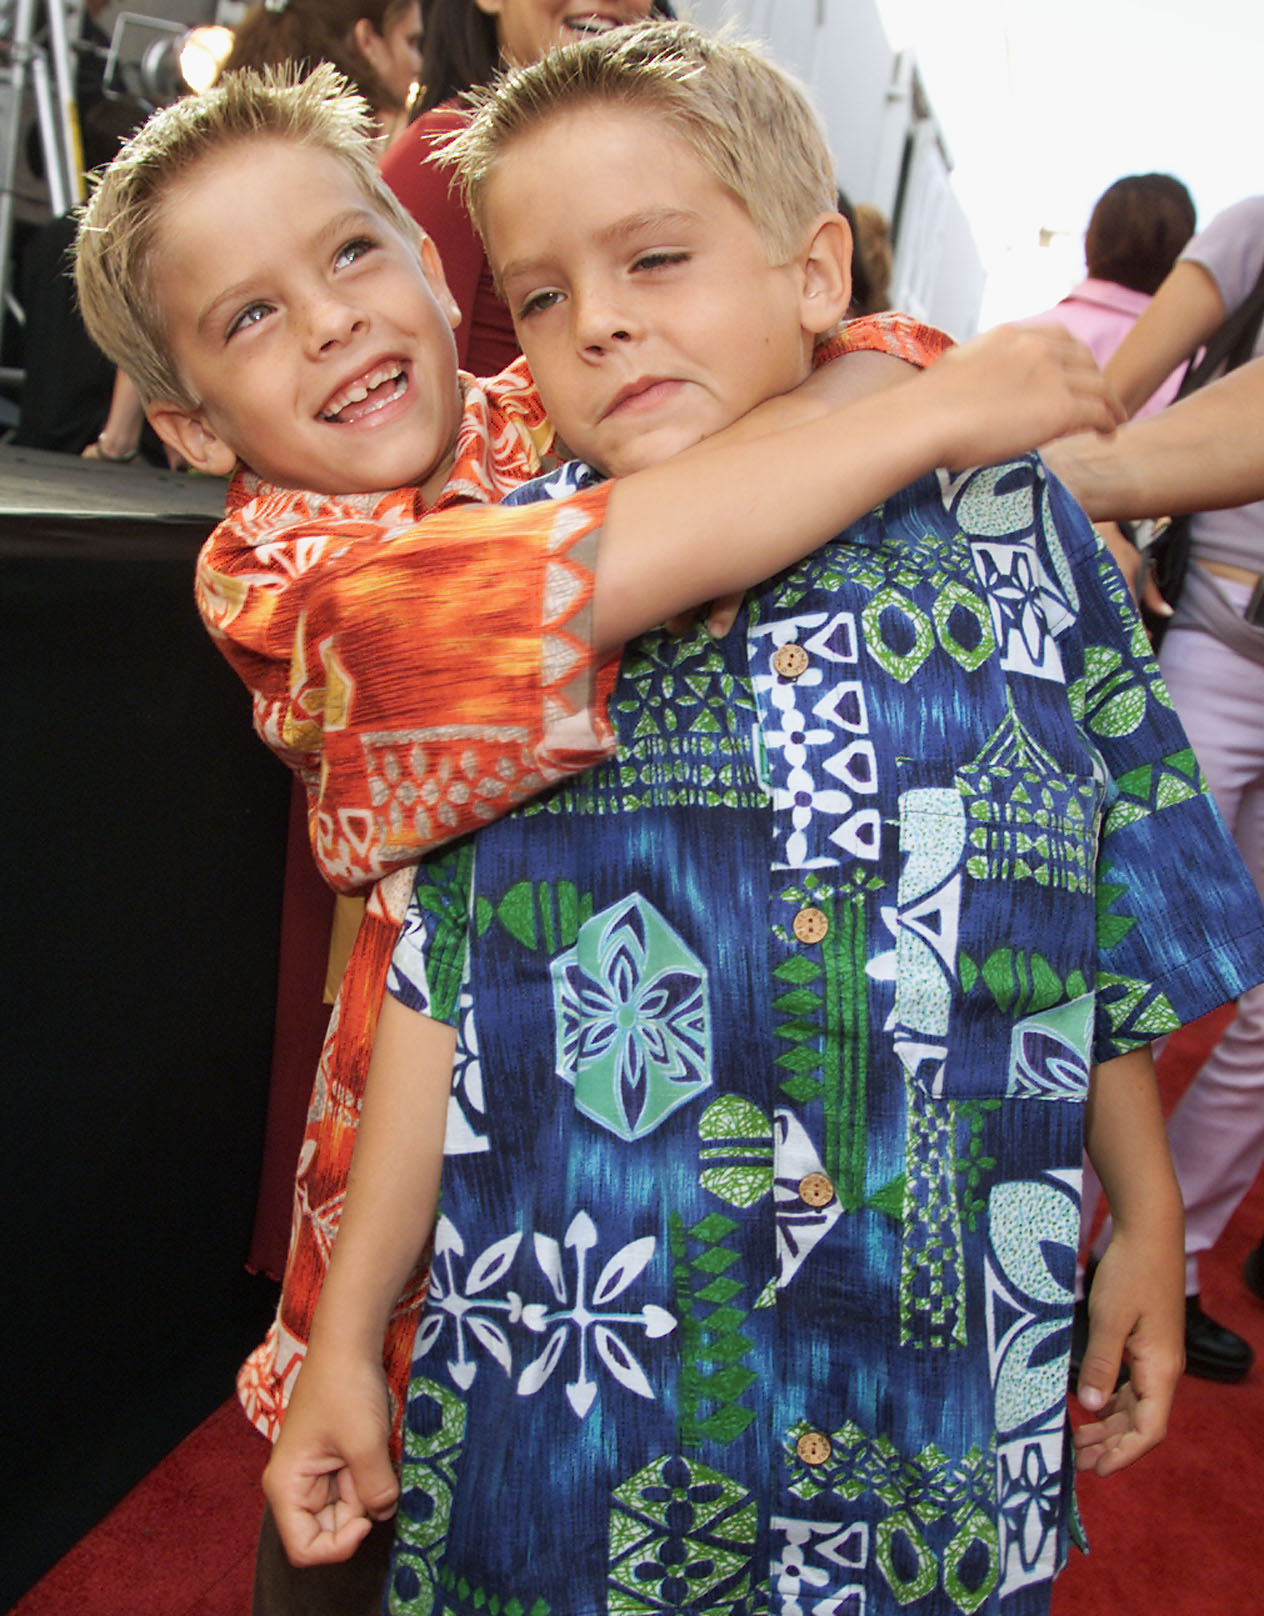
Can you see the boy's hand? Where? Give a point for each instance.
(330, 1475)
(1018, 387)
(1137, 1302)
(721, 615)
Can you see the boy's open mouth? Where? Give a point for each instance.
(366, 394)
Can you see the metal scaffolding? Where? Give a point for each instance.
(39, 60)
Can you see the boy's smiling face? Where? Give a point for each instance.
(640, 288)
(317, 339)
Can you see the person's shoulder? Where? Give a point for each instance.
(1240, 219)
(443, 119)
(418, 140)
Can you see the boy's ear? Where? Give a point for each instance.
(193, 439)
(432, 269)
(826, 259)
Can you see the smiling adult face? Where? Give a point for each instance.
(528, 29)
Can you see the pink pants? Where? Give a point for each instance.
(1217, 1131)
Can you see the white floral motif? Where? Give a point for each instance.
(582, 1315)
(467, 1308)
(447, 1300)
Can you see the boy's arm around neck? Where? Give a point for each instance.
(737, 508)
(420, 676)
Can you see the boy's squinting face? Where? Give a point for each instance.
(317, 339)
(640, 288)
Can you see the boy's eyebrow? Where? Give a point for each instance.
(348, 219)
(634, 224)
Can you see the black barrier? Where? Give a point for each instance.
(144, 841)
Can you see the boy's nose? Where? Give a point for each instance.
(601, 324)
(330, 322)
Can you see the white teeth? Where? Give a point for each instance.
(357, 391)
(590, 24)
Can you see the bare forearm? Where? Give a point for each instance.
(845, 380)
(393, 1186)
(1186, 310)
(703, 525)
(1127, 1143)
(1205, 453)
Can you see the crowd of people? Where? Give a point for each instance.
(745, 1014)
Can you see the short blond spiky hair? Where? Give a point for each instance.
(749, 124)
(118, 228)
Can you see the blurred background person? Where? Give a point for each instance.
(465, 43)
(873, 245)
(376, 44)
(1136, 230)
(1212, 660)
(1135, 233)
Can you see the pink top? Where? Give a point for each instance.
(1101, 314)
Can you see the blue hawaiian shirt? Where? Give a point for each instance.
(753, 1276)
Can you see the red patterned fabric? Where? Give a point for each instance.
(422, 672)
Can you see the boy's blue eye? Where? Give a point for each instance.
(350, 251)
(537, 303)
(250, 315)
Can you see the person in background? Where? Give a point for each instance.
(873, 245)
(1136, 231)
(1212, 659)
(1137, 227)
(376, 44)
(466, 43)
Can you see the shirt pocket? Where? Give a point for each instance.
(996, 931)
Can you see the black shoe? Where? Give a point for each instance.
(1211, 1351)
(1253, 1271)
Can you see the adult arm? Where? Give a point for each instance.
(330, 1474)
(1138, 1294)
(1204, 453)
(1185, 311)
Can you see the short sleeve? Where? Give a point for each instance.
(422, 680)
(1231, 250)
(431, 955)
(899, 335)
(1180, 928)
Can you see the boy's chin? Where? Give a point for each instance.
(642, 452)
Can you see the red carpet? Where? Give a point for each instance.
(1180, 1533)
(180, 1544)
